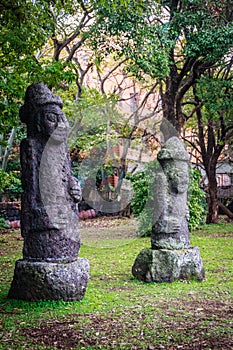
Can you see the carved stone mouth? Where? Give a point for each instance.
(59, 135)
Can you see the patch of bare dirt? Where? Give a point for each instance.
(7, 231)
(105, 221)
(206, 325)
(100, 232)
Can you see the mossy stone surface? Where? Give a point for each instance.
(168, 265)
(50, 281)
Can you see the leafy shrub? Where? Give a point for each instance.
(10, 184)
(196, 200)
(3, 223)
(140, 187)
(143, 182)
(142, 202)
(145, 221)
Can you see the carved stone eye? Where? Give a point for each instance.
(51, 117)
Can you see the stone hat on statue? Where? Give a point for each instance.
(37, 95)
(173, 150)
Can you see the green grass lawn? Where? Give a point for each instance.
(119, 312)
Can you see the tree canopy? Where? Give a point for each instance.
(174, 42)
(182, 49)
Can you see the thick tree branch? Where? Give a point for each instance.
(210, 139)
(192, 144)
(136, 112)
(103, 80)
(201, 136)
(187, 67)
(60, 45)
(225, 210)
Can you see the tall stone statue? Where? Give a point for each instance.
(50, 268)
(170, 256)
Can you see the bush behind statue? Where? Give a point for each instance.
(196, 201)
(142, 202)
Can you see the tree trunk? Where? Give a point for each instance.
(212, 216)
(169, 126)
(8, 149)
(172, 100)
(225, 210)
(168, 96)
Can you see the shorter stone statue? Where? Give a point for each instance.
(170, 256)
(171, 214)
(50, 268)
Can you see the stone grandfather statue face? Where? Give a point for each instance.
(174, 161)
(51, 122)
(177, 173)
(42, 112)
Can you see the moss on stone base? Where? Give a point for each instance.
(168, 265)
(49, 281)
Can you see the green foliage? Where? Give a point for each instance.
(142, 202)
(207, 29)
(3, 223)
(142, 182)
(140, 187)
(4, 180)
(10, 179)
(145, 221)
(88, 115)
(213, 93)
(216, 94)
(10, 184)
(20, 39)
(147, 33)
(196, 201)
(26, 52)
(144, 41)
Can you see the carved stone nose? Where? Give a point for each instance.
(61, 126)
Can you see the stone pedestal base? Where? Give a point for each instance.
(49, 281)
(164, 265)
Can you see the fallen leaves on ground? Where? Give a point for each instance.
(195, 325)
